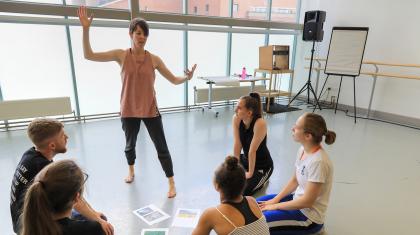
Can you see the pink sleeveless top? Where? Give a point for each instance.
(138, 98)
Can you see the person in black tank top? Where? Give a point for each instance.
(250, 135)
(245, 210)
(236, 214)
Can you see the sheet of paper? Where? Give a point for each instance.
(151, 214)
(155, 231)
(186, 218)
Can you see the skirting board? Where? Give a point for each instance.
(385, 116)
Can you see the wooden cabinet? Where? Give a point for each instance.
(274, 84)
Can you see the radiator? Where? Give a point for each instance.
(201, 95)
(31, 108)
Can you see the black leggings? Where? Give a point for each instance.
(131, 127)
(258, 179)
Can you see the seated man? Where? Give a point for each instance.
(49, 138)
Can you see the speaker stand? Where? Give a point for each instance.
(308, 86)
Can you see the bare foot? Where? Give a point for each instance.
(172, 189)
(129, 179)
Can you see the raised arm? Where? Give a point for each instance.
(166, 73)
(112, 55)
(260, 131)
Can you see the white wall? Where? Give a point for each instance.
(394, 37)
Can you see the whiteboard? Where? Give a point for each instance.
(345, 54)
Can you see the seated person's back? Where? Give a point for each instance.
(50, 199)
(80, 227)
(236, 214)
(232, 216)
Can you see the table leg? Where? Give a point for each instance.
(210, 94)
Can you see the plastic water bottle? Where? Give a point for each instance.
(243, 75)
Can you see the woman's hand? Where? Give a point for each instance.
(268, 205)
(84, 20)
(190, 73)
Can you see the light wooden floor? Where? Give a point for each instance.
(376, 183)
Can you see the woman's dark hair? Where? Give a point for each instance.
(253, 103)
(52, 192)
(315, 125)
(230, 178)
(141, 23)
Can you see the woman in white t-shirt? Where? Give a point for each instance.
(301, 205)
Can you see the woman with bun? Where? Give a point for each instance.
(250, 135)
(236, 214)
(301, 206)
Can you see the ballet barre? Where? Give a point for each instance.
(374, 74)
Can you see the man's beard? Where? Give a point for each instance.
(61, 150)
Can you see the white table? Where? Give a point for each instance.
(228, 81)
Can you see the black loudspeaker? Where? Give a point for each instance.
(313, 26)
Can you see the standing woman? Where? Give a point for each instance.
(304, 211)
(138, 98)
(50, 199)
(250, 135)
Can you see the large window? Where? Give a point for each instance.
(34, 66)
(245, 49)
(167, 44)
(209, 52)
(209, 8)
(250, 9)
(99, 83)
(172, 6)
(115, 4)
(41, 67)
(284, 10)
(45, 1)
